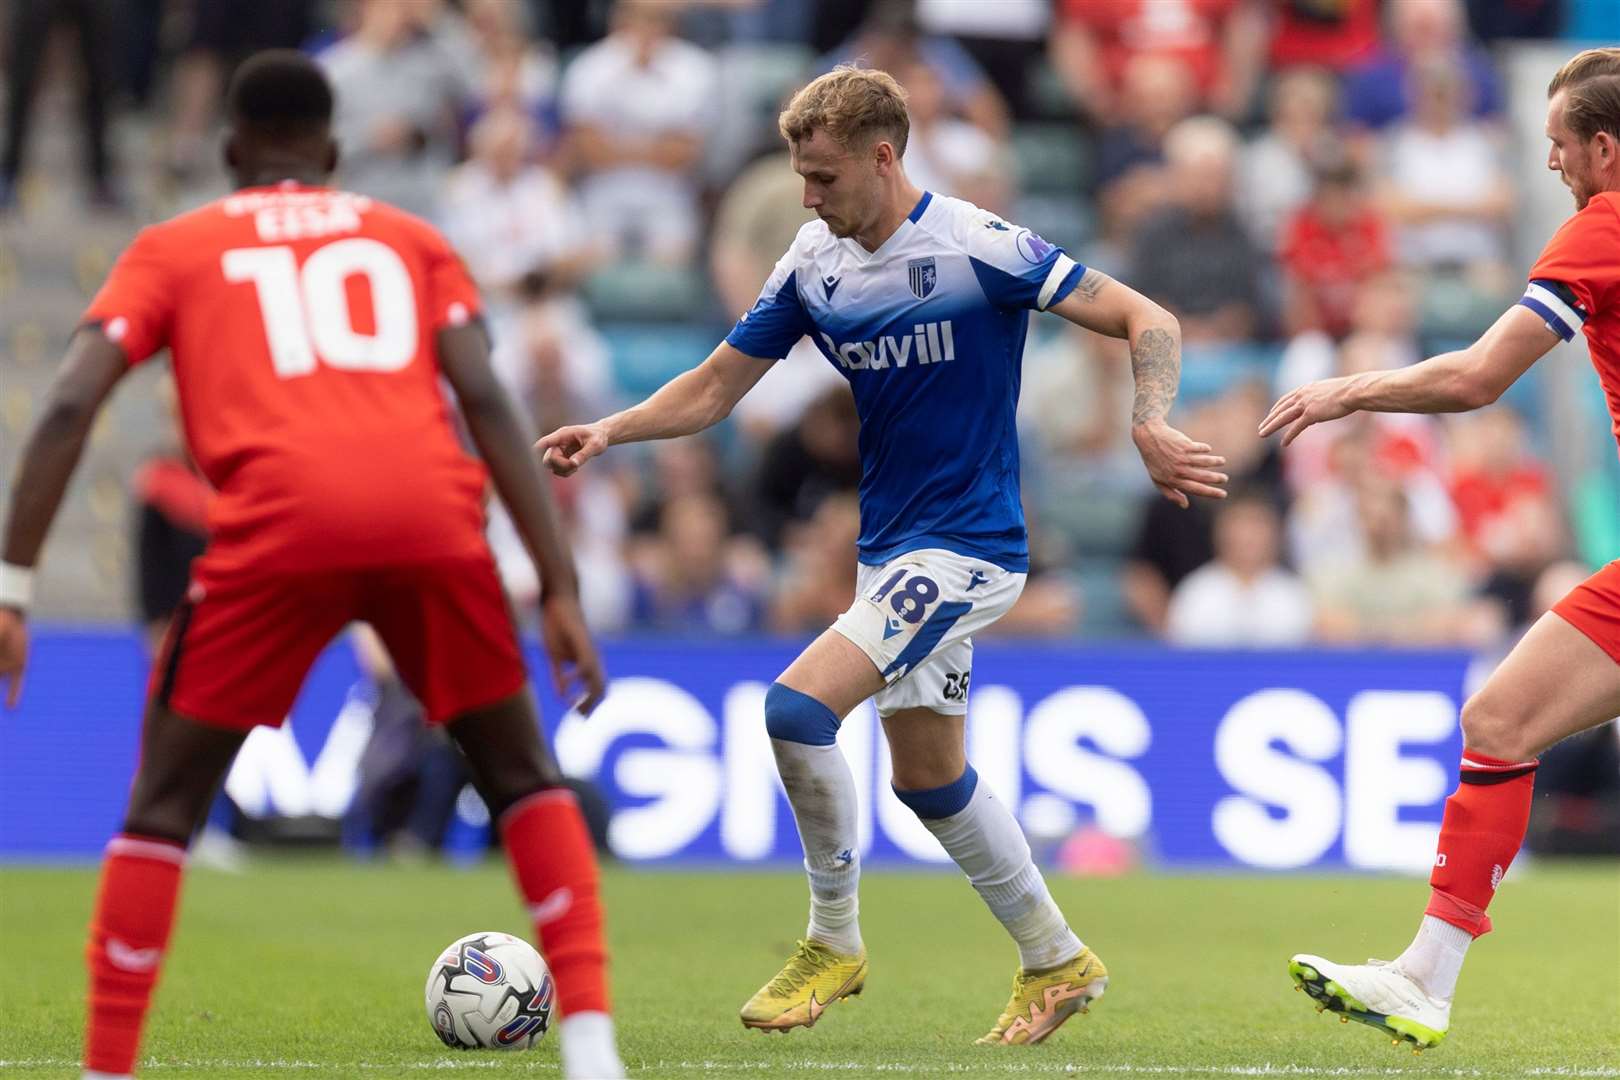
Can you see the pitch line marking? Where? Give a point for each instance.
(902, 1068)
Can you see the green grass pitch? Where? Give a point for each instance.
(315, 967)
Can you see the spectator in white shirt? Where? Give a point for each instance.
(948, 155)
(510, 216)
(636, 105)
(1448, 190)
(398, 86)
(1275, 174)
(525, 243)
(1244, 597)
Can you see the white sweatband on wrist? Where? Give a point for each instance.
(16, 586)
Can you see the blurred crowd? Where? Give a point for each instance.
(1312, 186)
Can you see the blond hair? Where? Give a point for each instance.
(1593, 103)
(852, 105)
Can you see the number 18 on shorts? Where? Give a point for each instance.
(915, 616)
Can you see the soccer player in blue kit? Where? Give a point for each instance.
(921, 302)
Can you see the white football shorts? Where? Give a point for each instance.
(915, 616)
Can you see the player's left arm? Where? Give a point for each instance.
(90, 370)
(1458, 381)
(504, 443)
(1179, 465)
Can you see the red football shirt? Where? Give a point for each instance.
(1331, 33)
(1189, 31)
(1575, 286)
(1332, 261)
(301, 323)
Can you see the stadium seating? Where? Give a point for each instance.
(646, 292)
(647, 355)
(1051, 158)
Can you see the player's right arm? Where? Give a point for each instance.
(704, 396)
(1458, 381)
(91, 369)
(127, 322)
(687, 404)
(1575, 276)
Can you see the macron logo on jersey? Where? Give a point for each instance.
(928, 343)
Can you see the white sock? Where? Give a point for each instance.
(986, 842)
(588, 1048)
(821, 790)
(91, 1074)
(1435, 957)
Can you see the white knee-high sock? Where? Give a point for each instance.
(986, 842)
(821, 790)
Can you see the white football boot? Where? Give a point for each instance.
(1377, 994)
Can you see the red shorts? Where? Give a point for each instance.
(239, 647)
(1593, 608)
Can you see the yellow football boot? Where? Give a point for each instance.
(813, 978)
(1042, 1000)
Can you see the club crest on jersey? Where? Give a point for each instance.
(923, 276)
(1032, 247)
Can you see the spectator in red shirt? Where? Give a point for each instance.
(1221, 42)
(1502, 493)
(1337, 34)
(1332, 244)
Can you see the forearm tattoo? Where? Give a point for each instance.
(1156, 366)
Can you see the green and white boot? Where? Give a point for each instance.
(1377, 994)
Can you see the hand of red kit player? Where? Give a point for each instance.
(576, 670)
(1179, 465)
(1310, 404)
(13, 653)
(567, 448)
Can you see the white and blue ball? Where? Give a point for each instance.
(490, 991)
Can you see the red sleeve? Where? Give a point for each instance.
(1582, 255)
(452, 298)
(135, 305)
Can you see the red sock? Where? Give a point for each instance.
(555, 866)
(140, 883)
(1481, 831)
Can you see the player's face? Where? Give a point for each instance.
(841, 187)
(1569, 157)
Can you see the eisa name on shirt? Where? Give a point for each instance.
(299, 215)
(928, 343)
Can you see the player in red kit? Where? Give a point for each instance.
(1563, 677)
(308, 330)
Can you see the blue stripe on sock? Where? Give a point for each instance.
(941, 802)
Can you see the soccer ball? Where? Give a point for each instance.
(490, 990)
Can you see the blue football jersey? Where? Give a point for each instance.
(929, 330)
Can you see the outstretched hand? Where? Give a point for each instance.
(576, 669)
(1179, 466)
(1313, 403)
(567, 448)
